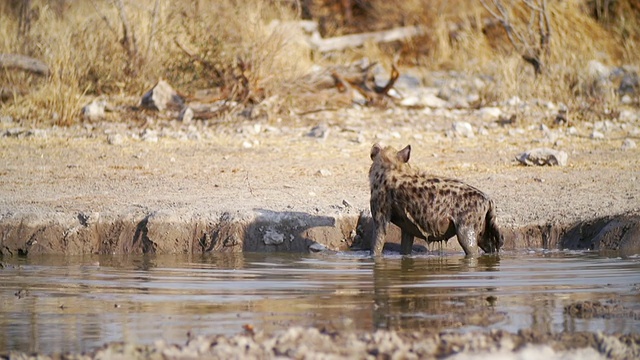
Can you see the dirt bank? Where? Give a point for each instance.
(169, 187)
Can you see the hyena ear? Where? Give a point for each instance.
(404, 154)
(375, 150)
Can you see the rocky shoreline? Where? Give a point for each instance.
(312, 343)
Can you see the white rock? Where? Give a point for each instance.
(149, 136)
(432, 101)
(323, 172)
(186, 115)
(161, 97)
(411, 101)
(597, 70)
(626, 99)
(490, 113)
(597, 135)
(247, 145)
(513, 101)
(628, 144)
(115, 139)
(628, 115)
(543, 156)
(94, 110)
(463, 128)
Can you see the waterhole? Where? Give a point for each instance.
(76, 304)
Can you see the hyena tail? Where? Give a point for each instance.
(493, 237)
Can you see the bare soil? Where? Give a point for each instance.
(173, 187)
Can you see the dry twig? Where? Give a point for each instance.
(533, 46)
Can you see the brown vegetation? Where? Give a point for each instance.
(120, 48)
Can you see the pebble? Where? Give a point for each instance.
(543, 156)
(323, 172)
(94, 110)
(319, 132)
(150, 136)
(186, 115)
(115, 139)
(597, 135)
(463, 128)
(490, 113)
(628, 144)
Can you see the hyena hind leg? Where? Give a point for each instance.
(406, 243)
(468, 239)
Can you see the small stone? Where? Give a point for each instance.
(597, 135)
(490, 113)
(346, 203)
(323, 172)
(432, 101)
(628, 144)
(186, 115)
(115, 139)
(317, 247)
(543, 156)
(463, 128)
(628, 115)
(161, 97)
(410, 101)
(319, 132)
(94, 110)
(273, 237)
(515, 100)
(149, 136)
(626, 99)
(247, 145)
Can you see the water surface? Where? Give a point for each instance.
(75, 304)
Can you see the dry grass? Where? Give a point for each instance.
(232, 46)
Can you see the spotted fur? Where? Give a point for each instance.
(429, 207)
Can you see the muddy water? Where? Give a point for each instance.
(69, 304)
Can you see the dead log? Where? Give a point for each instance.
(356, 40)
(25, 63)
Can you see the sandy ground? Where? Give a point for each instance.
(192, 171)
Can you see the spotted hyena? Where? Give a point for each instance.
(429, 207)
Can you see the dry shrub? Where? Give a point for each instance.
(85, 51)
(234, 47)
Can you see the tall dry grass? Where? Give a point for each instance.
(232, 44)
(85, 51)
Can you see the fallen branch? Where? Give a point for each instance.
(357, 40)
(25, 63)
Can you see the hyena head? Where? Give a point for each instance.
(388, 158)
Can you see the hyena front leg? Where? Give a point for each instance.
(468, 239)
